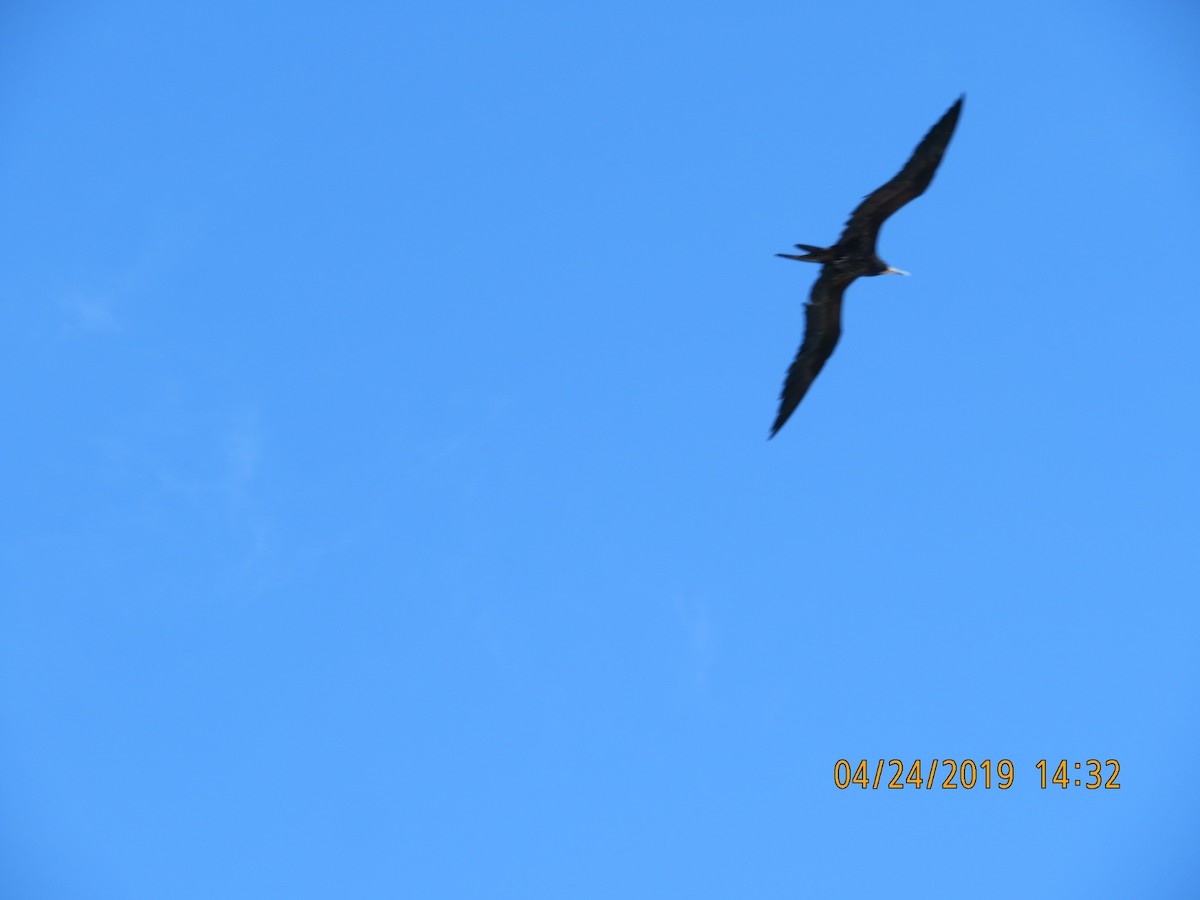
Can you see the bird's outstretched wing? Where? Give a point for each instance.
(822, 328)
(862, 228)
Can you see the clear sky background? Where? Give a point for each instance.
(387, 508)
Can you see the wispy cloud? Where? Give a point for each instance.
(243, 450)
(700, 635)
(90, 314)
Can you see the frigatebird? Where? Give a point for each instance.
(853, 256)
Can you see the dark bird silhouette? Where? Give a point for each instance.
(853, 256)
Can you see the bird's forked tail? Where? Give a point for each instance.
(813, 254)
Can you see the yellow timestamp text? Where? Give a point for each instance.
(1092, 779)
(952, 774)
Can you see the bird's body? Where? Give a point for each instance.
(854, 256)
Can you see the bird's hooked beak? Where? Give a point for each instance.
(890, 271)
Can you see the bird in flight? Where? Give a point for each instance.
(854, 256)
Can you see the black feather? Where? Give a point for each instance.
(854, 256)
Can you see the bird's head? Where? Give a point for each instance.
(882, 268)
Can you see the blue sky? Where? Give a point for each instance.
(389, 510)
